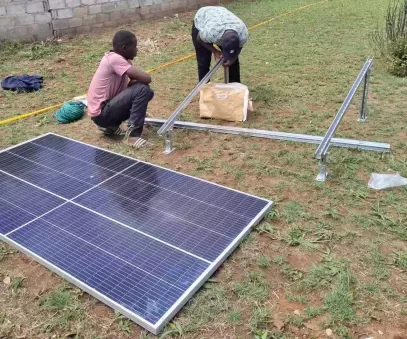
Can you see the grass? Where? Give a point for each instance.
(254, 287)
(335, 251)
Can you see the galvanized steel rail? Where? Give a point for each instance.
(312, 139)
(170, 122)
(324, 145)
(322, 151)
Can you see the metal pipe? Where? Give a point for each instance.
(312, 139)
(226, 71)
(363, 108)
(168, 143)
(324, 145)
(322, 170)
(170, 122)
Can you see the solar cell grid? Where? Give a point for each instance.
(139, 237)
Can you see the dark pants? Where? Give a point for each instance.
(204, 56)
(131, 105)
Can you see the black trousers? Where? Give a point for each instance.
(131, 105)
(204, 56)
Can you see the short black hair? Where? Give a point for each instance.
(123, 38)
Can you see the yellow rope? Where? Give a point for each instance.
(26, 115)
(23, 116)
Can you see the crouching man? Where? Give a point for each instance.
(119, 92)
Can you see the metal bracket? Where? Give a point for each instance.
(168, 142)
(363, 108)
(323, 172)
(226, 74)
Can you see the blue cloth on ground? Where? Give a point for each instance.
(22, 83)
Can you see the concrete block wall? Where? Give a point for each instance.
(39, 19)
(84, 16)
(25, 19)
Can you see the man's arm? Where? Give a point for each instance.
(216, 53)
(138, 75)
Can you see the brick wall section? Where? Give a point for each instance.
(39, 19)
(24, 19)
(84, 16)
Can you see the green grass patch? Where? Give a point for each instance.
(254, 287)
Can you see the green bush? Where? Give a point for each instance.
(391, 41)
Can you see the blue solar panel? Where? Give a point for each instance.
(139, 237)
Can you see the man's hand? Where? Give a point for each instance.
(217, 55)
(136, 74)
(131, 83)
(228, 63)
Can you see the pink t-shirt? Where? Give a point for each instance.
(109, 80)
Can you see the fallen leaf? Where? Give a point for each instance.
(328, 332)
(380, 332)
(297, 312)
(278, 322)
(7, 280)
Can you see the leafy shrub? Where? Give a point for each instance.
(391, 41)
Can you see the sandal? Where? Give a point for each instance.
(112, 131)
(140, 143)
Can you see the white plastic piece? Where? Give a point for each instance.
(381, 181)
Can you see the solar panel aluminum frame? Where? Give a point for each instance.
(186, 296)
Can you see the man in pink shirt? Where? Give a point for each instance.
(119, 91)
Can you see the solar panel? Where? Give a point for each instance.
(138, 237)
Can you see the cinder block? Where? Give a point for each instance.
(155, 9)
(88, 2)
(83, 29)
(101, 1)
(114, 0)
(35, 7)
(41, 31)
(90, 20)
(22, 20)
(75, 22)
(60, 24)
(72, 3)
(145, 10)
(133, 3)
(117, 15)
(157, 2)
(144, 3)
(56, 4)
(95, 9)
(122, 5)
(42, 18)
(15, 9)
(3, 34)
(96, 27)
(192, 4)
(3, 12)
(69, 31)
(165, 7)
(65, 13)
(100, 18)
(80, 12)
(111, 23)
(7, 22)
(19, 32)
(175, 4)
(108, 8)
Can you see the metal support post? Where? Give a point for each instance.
(363, 108)
(323, 172)
(171, 120)
(168, 142)
(226, 70)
